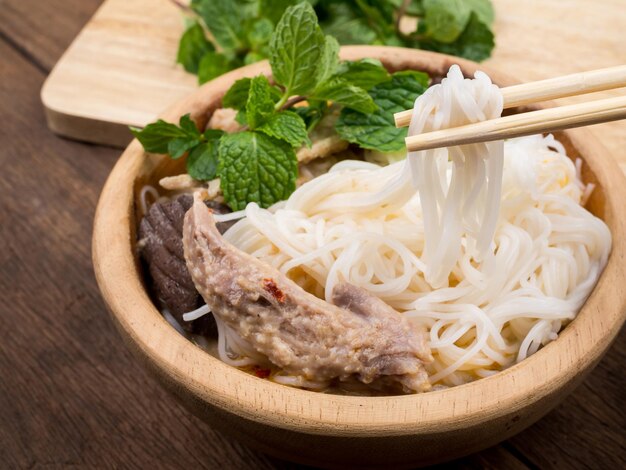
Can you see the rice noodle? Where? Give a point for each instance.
(197, 313)
(146, 191)
(486, 244)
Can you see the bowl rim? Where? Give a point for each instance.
(214, 383)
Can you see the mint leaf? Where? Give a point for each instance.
(329, 59)
(295, 49)
(311, 114)
(156, 137)
(176, 148)
(202, 161)
(415, 8)
(225, 21)
(274, 9)
(186, 123)
(377, 130)
(476, 42)
(192, 47)
(259, 32)
(212, 134)
(252, 57)
(164, 137)
(287, 126)
(341, 91)
(240, 117)
(483, 9)
(445, 20)
(379, 15)
(249, 8)
(212, 65)
(364, 73)
(255, 167)
(260, 104)
(237, 95)
(342, 21)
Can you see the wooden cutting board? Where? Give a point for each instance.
(120, 70)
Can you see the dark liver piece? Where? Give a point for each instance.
(160, 233)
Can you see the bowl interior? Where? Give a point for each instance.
(549, 373)
(160, 166)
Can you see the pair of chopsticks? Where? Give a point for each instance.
(534, 122)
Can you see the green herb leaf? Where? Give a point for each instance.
(345, 23)
(415, 8)
(311, 114)
(364, 73)
(249, 8)
(212, 134)
(287, 126)
(328, 60)
(225, 21)
(377, 130)
(164, 137)
(156, 137)
(295, 49)
(240, 117)
(255, 167)
(260, 32)
(202, 161)
(483, 9)
(192, 47)
(476, 42)
(260, 105)
(445, 20)
(186, 123)
(178, 147)
(212, 65)
(379, 15)
(274, 9)
(341, 91)
(237, 95)
(252, 57)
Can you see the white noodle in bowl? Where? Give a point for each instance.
(486, 245)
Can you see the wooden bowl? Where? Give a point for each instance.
(332, 430)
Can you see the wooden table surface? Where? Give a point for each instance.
(70, 393)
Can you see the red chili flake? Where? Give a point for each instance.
(261, 372)
(270, 286)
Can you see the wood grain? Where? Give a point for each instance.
(70, 392)
(549, 89)
(544, 121)
(26, 26)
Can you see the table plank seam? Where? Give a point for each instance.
(23, 52)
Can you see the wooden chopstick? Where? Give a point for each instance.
(517, 125)
(552, 88)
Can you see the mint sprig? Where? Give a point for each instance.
(225, 21)
(193, 47)
(258, 163)
(295, 50)
(225, 34)
(177, 141)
